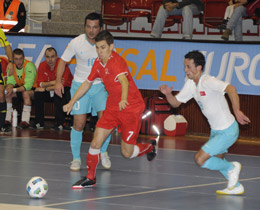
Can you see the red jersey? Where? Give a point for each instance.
(109, 73)
(45, 74)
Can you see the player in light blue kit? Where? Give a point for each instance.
(209, 93)
(94, 101)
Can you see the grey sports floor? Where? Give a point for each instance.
(171, 181)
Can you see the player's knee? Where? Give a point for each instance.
(198, 159)
(78, 126)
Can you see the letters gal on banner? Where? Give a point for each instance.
(153, 63)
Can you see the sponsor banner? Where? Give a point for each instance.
(153, 63)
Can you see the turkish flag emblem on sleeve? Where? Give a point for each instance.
(202, 93)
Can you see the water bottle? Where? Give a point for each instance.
(15, 118)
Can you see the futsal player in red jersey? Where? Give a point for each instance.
(124, 108)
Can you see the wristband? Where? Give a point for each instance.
(14, 90)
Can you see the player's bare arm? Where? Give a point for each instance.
(124, 84)
(59, 88)
(84, 87)
(232, 94)
(167, 91)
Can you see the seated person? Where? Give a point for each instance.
(45, 90)
(20, 85)
(228, 13)
(186, 8)
(235, 21)
(12, 15)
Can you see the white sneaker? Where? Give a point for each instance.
(235, 191)
(75, 165)
(233, 175)
(105, 160)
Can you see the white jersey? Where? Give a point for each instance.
(210, 96)
(85, 53)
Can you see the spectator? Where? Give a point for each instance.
(45, 90)
(235, 21)
(186, 8)
(8, 51)
(12, 15)
(20, 85)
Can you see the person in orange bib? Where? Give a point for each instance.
(12, 15)
(20, 85)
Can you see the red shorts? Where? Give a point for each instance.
(128, 123)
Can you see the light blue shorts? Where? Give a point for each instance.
(91, 102)
(221, 140)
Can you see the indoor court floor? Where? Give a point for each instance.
(171, 181)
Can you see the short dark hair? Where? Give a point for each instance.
(198, 58)
(18, 51)
(50, 49)
(94, 16)
(105, 35)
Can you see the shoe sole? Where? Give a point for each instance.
(107, 168)
(231, 188)
(81, 187)
(75, 170)
(223, 193)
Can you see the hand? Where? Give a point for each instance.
(67, 108)
(165, 89)
(241, 117)
(10, 68)
(59, 89)
(169, 6)
(123, 104)
(9, 90)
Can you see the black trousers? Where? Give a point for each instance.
(41, 97)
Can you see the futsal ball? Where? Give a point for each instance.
(37, 187)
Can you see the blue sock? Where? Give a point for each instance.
(225, 174)
(75, 143)
(215, 163)
(105, 144)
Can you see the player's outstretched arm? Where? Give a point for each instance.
(232, 94)
(84, 87)
(167, 91)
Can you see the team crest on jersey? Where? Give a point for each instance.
(202, 93)
(106, 71)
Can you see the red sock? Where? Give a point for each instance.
(144, 148)
(92, 162)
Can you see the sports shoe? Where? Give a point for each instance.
(84, 183)
(5, 129)
(235, 191)
(151, 155)
(75, 165)
(105, 160)
(38, 126)
(57, 128)
(233, 175)
(23, 125)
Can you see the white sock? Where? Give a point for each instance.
(26, 113)
(93, 151)
(135, 152)
(9, 111)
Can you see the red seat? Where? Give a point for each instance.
(214, 11)
(113, 12)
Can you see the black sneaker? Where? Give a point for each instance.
(84, 183)
(5, 129)
(151, 155)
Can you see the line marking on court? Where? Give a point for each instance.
(147, 192)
